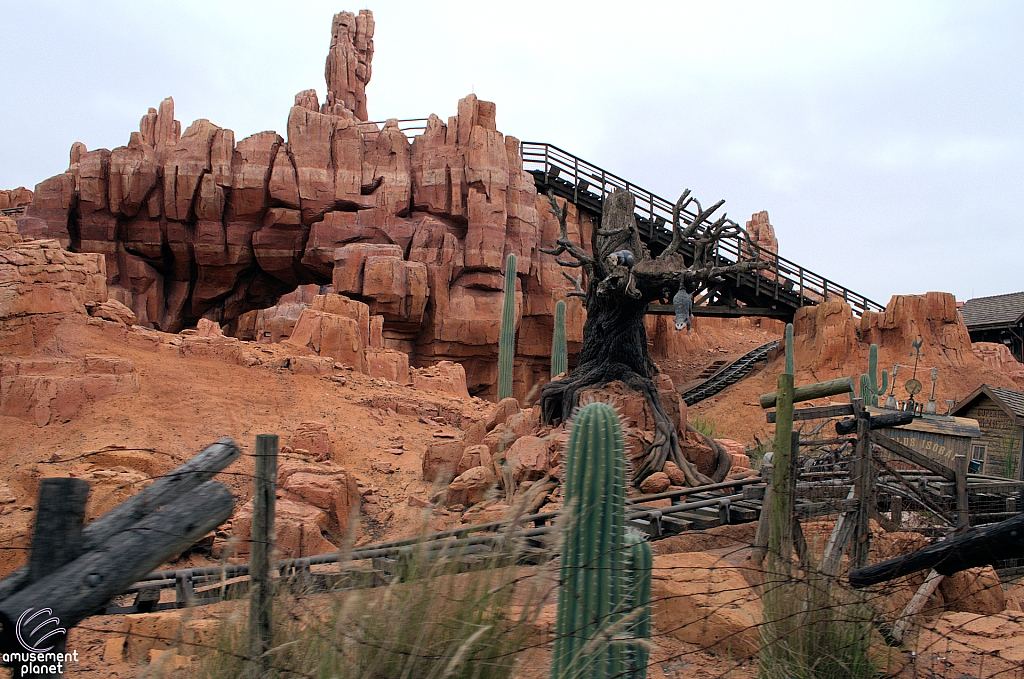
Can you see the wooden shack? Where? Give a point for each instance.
(999, 318)
(938, 437)
(1000, 416)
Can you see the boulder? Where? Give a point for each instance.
(704, 600)
(441, 459)
(299, 528)
(474, 456)
(389, 364)
(529, 457)
(335, 493)
(446, 377)
(976, 590)
(506, 408)
(470, 487)
(312, 436)
(674, 473)
(658, 482)
(111, 310)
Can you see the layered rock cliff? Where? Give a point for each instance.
(193, 224)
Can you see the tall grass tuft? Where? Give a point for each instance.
(814, 629)
(433, 621)
(705, 425)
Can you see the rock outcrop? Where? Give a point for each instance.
(39, 283)
(998, 357)
(196, 225)
(18, 197)
(761, 233)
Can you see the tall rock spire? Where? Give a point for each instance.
(349, 64)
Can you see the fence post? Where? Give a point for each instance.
(963, 517)
(761, 537)
(261, 598)
(861, 482)
(56, 541)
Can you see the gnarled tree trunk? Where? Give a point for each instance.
(616, 299)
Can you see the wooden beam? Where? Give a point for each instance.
(809, 392)
(80, 588)
(261, 548)
(912, 455)
(721, 311)
(815, 413)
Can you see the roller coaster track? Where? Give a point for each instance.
(728, 375)
(692, 508)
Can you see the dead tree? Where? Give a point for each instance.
(616, 298)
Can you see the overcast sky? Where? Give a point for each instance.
(885, 139)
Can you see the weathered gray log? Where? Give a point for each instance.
(917, 602)
(761, 537)
(80, 588)
(838, 541)
(56, 540)
(863, 487)
(57, 537)
(811, 391)
(815, 412)
(982, 546)
(195, 472)
(897, 419)
(261, 546)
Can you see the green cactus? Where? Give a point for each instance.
(870, 389)
(559, 352)
(507, 339)
(597, 590)
(639, 565)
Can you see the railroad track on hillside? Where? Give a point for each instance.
(729, 374)
(698, 508)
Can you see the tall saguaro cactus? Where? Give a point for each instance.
(870, 388)
(602, 578)
(507, 339)
(559, 351)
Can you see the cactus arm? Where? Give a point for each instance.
(865, 388)
(884, 387)
(507, 338)
(559, 350)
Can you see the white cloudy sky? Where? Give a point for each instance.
(886, 139)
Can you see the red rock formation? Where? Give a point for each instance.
(761, 233)
(18, 197)
(192, 225)
(348, 67)
(998, 357)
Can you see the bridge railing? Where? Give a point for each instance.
(591, 182)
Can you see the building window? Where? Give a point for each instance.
(978, 453)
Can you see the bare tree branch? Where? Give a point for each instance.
(677, 232)
(564, 244)
(699, 219)
(577, 283)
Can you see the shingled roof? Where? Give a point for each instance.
(995, 310)
(1014, 400)
(1010, 400)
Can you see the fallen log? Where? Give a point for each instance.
(981, 547)
(197, 471)
(897, 419)
(80, 588)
